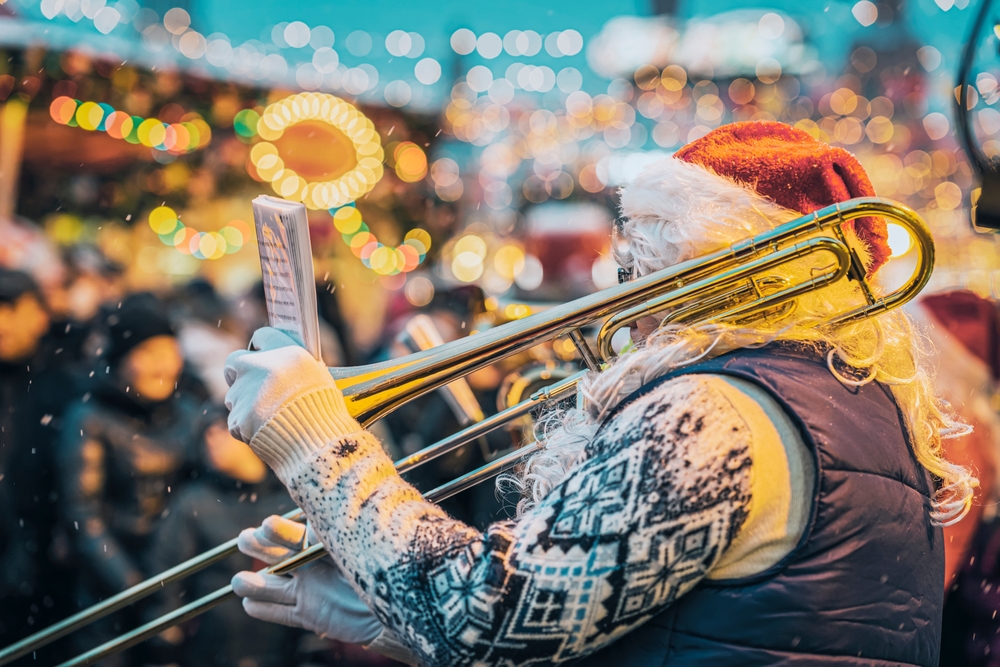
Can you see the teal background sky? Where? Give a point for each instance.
(829, 27)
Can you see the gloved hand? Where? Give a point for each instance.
(280, 384)
(315, 597)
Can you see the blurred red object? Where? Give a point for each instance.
(567, 238)
(965, 330)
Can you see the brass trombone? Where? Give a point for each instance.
(732, 284)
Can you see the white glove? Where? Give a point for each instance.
(283, 386)
(315, 597)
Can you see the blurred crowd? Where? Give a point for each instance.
(116, 462)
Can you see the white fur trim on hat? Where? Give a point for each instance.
(676, 210)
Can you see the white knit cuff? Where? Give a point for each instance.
(302, 427)
(388, 645)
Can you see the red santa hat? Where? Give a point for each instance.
(764, 167)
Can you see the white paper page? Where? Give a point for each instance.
(286, 266)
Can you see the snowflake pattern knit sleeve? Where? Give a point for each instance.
(662, 493)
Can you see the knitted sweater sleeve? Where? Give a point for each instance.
(663, 492)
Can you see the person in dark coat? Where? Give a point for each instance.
(123, 451)
(234, 489)
(35, 385)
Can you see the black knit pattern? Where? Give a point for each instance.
(661, 495)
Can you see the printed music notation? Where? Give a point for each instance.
(287, 269)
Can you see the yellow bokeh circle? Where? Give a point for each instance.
(163, 220)
(89, 115)
(419, 239)
(341, 115)
(347, 220)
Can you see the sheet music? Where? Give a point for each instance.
(287, 268)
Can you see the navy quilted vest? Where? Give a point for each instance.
(865, 586)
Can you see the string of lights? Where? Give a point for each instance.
(383, 259)
(201, 245)
(186, 136)
(520, 127)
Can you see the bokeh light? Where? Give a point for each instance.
(411, 162)
(488, 124)
(177, 138)
(245, 123)
(419, 291)
(384, 260)
(341, 116)
(900, 240)
(167, 225)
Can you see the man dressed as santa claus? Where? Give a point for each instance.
(729, 494)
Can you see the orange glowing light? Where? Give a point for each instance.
(346, 167)
(62, 110)
(118, 124)
(411, 162)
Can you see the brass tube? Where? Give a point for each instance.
(375, 390)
